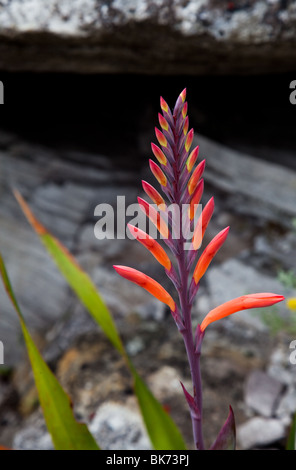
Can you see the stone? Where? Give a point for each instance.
(260, 432)
(147, 36)
(262, 393)
(118, 427)
(253, 187)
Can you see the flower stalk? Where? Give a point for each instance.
(180, 181)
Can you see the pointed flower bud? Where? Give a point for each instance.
(192, 159)
(184, 110)
(154, 195)
(202, 224)
(158, 173)
(164, 105)
(183, 95)
(186, 125)
(208, 254)
(196, 199)
(155, 217)
(241, 303)
(163, 122)
(161, 138)
(189, 140)
(149, 284)
(159, 154)
(152, 245)
(194, 179)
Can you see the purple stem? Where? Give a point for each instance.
(192, 345)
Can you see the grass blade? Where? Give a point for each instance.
(66, 432)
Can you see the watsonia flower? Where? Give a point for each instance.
(179, 177)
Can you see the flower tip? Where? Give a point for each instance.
(183, 94)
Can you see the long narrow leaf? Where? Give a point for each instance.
(66, 432)
(162, 430)
(291, 444)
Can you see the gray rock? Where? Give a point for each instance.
(118, 427)
(33, 436)
(254, 187)
(147, 36)
(259, 432)
(262, 393)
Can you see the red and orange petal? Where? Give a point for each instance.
(192, 159)
(189, 140)
(244, 302)
(152, 245)
(186, 125)
(183, 95)
(184, 110)
(154, 195)
(194, 179)
(149, 284)
(155, 217)
(161, 138)
(158, 173)
(163, 122)
(164, 105)
(208, 254)
(196, 199)
(202, 223)
(158, 153)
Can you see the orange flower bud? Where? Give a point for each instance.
(149, 284)
(159, 154)
(208, 254)
(192, 159)
(158, 173)
(152, 245)
(155, 217)
(161, 138)
(241, 303)
(154, 195)
(194, 179)
(202, 224)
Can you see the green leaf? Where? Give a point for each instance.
(291, 444)
(161, 429)
(163, 434)
(66, 432)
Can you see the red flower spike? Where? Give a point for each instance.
(244, 302)
(189, 140)
(149, 284)
(158, 173)
(195, 177)
(159, 154)
(152, 245)
(161, 138)
(155, 217)
(192, 158)
(202, 224)
(184, 110)
(163, 122)
(164, 105)
(154, 195)
(208, 254)
(196, 199)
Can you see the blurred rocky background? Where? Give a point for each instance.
(82, 82)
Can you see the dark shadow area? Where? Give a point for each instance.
(103, 113)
